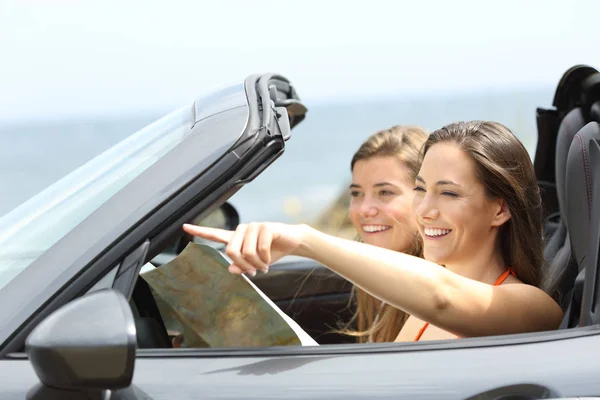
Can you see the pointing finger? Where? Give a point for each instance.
(213, 234)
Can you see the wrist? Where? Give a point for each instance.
(307, 235)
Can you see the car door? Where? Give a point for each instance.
(512, 367)
(516, 367)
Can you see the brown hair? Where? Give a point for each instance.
(373, 321)
(505, 168)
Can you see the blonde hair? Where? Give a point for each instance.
(372, 320)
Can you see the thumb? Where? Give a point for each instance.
(213, 234)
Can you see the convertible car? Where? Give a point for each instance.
(77, 322)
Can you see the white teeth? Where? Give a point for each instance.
(436, 232)
(375, 228)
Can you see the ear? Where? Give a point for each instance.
(502, 213)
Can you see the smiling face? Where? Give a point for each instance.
(380, 210)
(457, 220)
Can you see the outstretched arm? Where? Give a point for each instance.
(421, 288)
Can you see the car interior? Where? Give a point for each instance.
(567, 165)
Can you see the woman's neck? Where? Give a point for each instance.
(485, 266)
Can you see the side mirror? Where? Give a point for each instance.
(84, 348)
(224, 217)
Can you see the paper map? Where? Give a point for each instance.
(197, 296)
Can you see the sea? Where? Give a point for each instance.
(302, 183)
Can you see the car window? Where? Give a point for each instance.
(32, 228)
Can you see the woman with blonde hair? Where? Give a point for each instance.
(383, 174)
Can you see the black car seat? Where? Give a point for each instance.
(557, 250)
(577, 89)
(578, 219)
(590, 309)
(576, 92)
(569, 126)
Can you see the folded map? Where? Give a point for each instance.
(197, 296)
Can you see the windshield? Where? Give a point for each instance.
(32, 228)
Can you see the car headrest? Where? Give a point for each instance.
(569, 90)
(579, 188)
(569, 126)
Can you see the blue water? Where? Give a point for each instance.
(310, 174)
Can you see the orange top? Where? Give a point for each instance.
(499, 281)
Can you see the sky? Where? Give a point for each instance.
(62, 58)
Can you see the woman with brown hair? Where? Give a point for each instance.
(478, 210)
(383, 174)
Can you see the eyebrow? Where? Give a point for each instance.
(378, 184)
(442, 182)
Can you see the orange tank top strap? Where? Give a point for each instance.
(505, 274)
(499, 281)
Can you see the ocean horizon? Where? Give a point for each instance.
(312, 172)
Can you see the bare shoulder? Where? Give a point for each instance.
(530, 305)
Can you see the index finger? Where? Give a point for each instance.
(214, 234)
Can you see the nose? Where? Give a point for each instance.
(426, 208)
(368, 208)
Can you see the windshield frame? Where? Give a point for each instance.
(199, 187)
